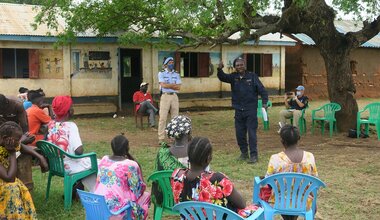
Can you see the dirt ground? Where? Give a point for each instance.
(348, 166)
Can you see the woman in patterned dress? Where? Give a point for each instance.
(199, 184)
(65, 134)
(292, 159)
(120, 181)
(15, 199)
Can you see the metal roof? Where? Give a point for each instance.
(343, 26)
(16, 20)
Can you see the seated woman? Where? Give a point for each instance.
(120, 181)
(16, 201)
(65, 134)
(197, 184)
(292, 159)
(170, 157)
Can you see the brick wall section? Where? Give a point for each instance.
(365, 66)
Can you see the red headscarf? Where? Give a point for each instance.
(61, 106)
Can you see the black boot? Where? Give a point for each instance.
(243, 156)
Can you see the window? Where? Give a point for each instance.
(192, 64)
(19, 63)
(260, 64)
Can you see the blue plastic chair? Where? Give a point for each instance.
(291, 191)
(260, 113)
(193, 210)
(96, 207)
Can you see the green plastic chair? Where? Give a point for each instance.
(260, 113)
(301, 122)
(163, 180)
(374, 118)
(329, 111)
(55, 156)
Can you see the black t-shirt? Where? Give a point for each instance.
(293, 104)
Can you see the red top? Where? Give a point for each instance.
(140, 97)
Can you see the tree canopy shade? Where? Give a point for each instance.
(212, 22)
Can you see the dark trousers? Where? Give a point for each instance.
(246, 121)
(147, 108)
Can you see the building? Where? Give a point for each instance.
(305, 65)
(102, 75)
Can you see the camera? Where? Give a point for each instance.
(289, 93)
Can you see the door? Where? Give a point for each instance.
(130, 73)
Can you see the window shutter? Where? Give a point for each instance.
(34, 65)
(203, 64)
(177, 62)
(1, 63)
(267, 65)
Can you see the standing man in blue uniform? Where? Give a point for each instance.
(245, 88)
(170, 82)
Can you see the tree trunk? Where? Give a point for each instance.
(340, 86)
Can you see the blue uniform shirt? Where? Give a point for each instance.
(244, 90)
(169, 78)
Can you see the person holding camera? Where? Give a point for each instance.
(294, 104)
(245, 88)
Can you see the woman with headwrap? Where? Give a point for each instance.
(65, 134)
(174, 156)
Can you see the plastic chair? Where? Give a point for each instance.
(55, 157)
(374, 118)
(328, 115)
(193, 210)
(291, 191)
(97, 209)
(163, 180)
(260, 113)
(139, 117)
(301, 122)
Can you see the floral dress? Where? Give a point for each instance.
(208, 187)
(16, 203)
(280, 163)
(121, 183)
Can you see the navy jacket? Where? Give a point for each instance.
(244, 90)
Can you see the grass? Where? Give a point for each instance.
(349, 167)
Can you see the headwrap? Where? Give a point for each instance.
(61, 106)
(178, 126)
(167, 60)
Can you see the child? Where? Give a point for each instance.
(16, 201)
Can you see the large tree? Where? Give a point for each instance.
(212, 22)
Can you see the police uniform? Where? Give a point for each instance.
(169, 99)
(245, 91)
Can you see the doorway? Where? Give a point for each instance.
(130, 74)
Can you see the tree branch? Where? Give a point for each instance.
(368, 31)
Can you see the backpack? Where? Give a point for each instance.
(352, 133)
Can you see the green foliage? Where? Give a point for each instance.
(194, 20)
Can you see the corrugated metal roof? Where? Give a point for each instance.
(16, 19)
(343, 27)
